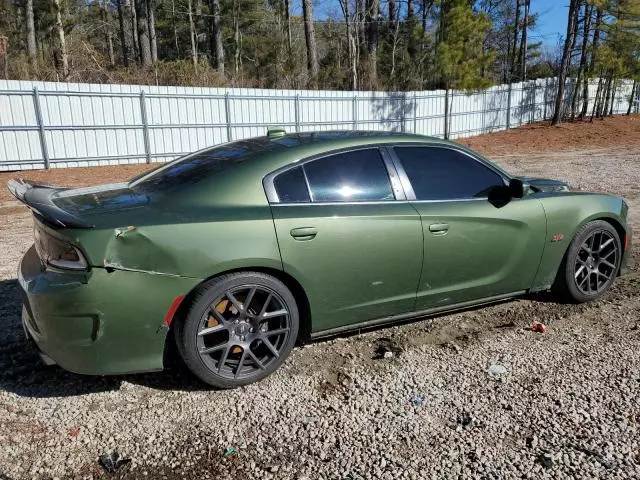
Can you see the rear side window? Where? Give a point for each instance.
(356, 176)
(291, 186)
(446, 174)
(193, 168)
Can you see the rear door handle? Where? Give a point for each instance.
(439, 228)
(304, 233)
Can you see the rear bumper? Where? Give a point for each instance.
(96, 322)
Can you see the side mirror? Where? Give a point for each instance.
(516, 188)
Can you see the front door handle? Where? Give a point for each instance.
(439, 228)
(304, 233)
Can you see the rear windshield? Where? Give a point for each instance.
(198, 166)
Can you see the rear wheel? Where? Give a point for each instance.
(239, 329)
(591, 263)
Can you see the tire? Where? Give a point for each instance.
(228, 344)
(590, 264)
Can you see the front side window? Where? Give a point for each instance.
(356, 176)
(438, 173)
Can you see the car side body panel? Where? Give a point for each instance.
(363, 263)
(486, 250)
(566, 212)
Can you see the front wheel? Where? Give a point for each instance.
(239, 329)
(591, 262)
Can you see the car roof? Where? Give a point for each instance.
(332, 138)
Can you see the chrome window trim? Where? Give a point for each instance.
(380, 202)
(407, 183)
(394, 180)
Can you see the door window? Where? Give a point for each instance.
(439, 173)
(355, 176)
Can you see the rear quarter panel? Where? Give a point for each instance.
(221, 224)
(566, 213)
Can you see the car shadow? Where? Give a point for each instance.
(23, 373)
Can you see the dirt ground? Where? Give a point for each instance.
(571, 394)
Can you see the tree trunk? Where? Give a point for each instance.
(237, 38)
(63, 60)
(360, 25)
(287, 13)
(217, 49)
(566, 57)
(143, 32)
(107, 32)
(351, 50)
(151, 18)
(392, 14)
(410, 10)
(632, 97)
(604, 99)
(597, 99)
(371, 19)
(123, 36)
(516, 25)
(31, 36)
(192, 36)
(354, 63)
(310, 37)
(586, 28)
(613, 96)
(175, 28)
(522, 56)
(197, 22)
(426, 6)
(592, 63)
(135, 45)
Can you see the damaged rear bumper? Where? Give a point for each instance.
(98, 322)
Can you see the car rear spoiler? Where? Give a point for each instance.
(38, 199)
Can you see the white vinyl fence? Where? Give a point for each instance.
(45, 124)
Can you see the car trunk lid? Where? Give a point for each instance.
(75, 207)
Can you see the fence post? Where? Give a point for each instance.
(546, 97)
(403, 105)
(509, 106)
(145, 126)
(415, 113)
(484, 111)
(533, 103)
(297, 112)
(446, 114)
(227, 114)
(354, 111)
(43, 138)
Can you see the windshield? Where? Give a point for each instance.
(195, 167)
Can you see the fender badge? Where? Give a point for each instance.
(558, 237)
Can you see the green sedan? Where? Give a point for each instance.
(236, 252)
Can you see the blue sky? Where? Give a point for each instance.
(552, 20)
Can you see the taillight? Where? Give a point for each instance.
(58, 253)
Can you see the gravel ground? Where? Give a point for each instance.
(567, 404)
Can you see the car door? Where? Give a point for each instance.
(355, 249)
(478, 243)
